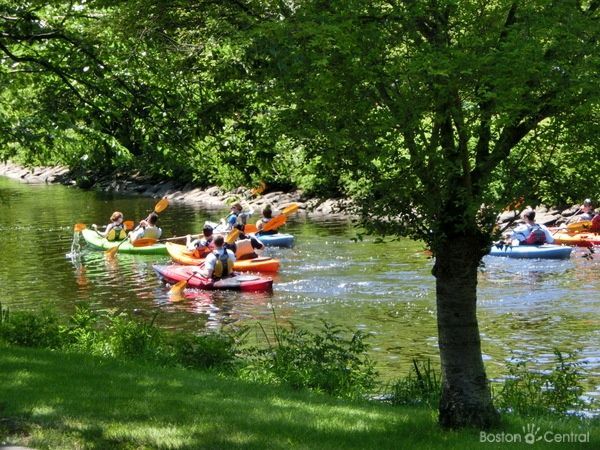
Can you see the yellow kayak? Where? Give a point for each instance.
(180, 254)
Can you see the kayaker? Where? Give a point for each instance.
(232, 219)
(531, 233)
(203, 246)
(587, 211)
(219, 263)
(267, 215)
(246, 247)
(147, 229)
(115, 230)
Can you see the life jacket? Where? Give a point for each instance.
(232, 219)
(595, 227)
(243, 249)
(117, 233)
(224, 264)
(202, 248)
(536, 236)
(152, 232)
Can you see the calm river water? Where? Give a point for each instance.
(526, 308)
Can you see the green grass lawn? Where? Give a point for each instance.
(71, 401)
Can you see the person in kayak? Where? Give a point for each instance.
(234, 216)
(219, 263)
(531, 233)
(267, 215)
(246, 247)
(203, 246)
(115, 230)
(587, 211)
(147, 229)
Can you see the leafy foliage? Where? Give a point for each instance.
(324, 361)
(422, 386)
(533, 393)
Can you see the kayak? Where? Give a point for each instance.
(270, 240)
(545, 251)
(276, 240)
(98, 242)
(585, 239)
(180, 254)
(245, 283)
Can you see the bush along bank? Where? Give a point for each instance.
(330, 360)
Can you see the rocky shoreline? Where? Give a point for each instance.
(212, 197)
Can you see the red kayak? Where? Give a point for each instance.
(245, 283)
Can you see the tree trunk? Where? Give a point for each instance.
(466, 398)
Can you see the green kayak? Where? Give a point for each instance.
(98, 242)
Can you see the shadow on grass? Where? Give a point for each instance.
(74, 401)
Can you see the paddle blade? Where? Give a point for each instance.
(232, 236)
(250, 228)
(129, 224)
(79, 227)
(290, 209)
(144, 242)
(274, 223)
(178, 288)
(161, 205)
(112, 252)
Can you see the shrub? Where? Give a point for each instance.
(132, 339)
(422, 386)
(205, 351)
(30, 329)
(324, 361)
(528, 392)
(82, 333)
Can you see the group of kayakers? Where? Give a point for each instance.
(219, 255)
(533, 233)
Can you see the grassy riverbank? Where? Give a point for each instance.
(67, 401)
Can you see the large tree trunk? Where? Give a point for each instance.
(466, 398)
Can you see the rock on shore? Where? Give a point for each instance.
(212, 197)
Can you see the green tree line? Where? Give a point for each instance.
(433, 115)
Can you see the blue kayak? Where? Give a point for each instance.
(270, 240)
(545, 251)
(277, 240)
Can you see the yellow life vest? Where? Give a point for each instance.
(116, 234)
(223, 266)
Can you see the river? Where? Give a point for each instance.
(525, 309)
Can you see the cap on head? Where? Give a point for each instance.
(587, 202)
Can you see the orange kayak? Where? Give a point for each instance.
(585, 239)
(180, 254)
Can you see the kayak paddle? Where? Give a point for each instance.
(280, 220)
(178, 287)
(145, 242)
